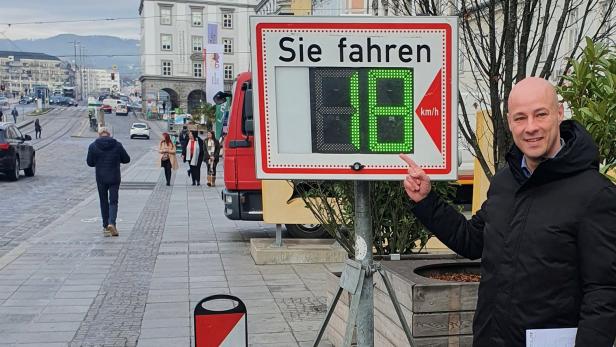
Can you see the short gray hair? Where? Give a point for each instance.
(104, 130)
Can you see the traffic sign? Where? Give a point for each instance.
(341, 97)
(220, 328)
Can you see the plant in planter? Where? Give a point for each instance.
(205, 112)
(394, 228)
(589, 90)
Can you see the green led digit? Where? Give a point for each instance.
(354, 94)
(405, 110)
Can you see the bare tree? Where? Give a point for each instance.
(507, 40)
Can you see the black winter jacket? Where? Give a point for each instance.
(106, 154)
(216, 149)
(547, 246)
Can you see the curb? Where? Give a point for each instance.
(24, 124)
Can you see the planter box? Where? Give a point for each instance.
(440, 313)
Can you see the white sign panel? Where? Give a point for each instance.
(341, 97)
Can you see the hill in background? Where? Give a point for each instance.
(101, 52)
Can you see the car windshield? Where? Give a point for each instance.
(139, 125)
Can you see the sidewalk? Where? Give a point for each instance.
(69, 285)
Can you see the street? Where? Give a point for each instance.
(62, 178)
(62, 283)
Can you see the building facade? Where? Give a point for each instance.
(174, 38)
(20, 72)
(99, 81)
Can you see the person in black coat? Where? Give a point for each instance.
(184, 141)
(546, 234)
(194, 156)
(106, 154)
(212, 154)
(37, 128)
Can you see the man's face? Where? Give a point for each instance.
(534, 119)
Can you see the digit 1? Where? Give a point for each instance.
(405, 110)
(354, 95)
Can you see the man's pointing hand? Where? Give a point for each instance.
(417, 183)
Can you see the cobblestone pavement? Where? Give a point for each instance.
(62, 180)
(120, 304)
(63, 284)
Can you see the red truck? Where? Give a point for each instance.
(242, 195)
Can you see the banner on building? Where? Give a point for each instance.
(213, 71)
(212, 33)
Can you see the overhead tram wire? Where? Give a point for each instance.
(11, 24)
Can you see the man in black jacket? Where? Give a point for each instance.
(106, 154)
(546, 234)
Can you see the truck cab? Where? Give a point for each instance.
(242, 194)
(247, 198)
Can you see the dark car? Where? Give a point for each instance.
(16, 153)
(28, 99)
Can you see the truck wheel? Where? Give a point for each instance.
(307, 231)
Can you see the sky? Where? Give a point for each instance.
(27, 11)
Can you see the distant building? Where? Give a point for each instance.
(21, 71)
(97, 81)
(174, 34)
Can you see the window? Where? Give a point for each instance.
(165, 15)
(197, 70)
(197, 43)
(197, 18)
(227, 20)
(227, 45)
(228, 71)
(166, 67)
(165, 42)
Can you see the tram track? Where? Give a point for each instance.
(69, 122)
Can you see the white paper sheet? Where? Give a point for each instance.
(564, 337)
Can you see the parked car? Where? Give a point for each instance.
(4, 101)
(140, 130)
(121, 110)
(66, 101)
(16, 153)
(28, 99)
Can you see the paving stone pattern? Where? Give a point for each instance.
(62, 178)
(114, 319)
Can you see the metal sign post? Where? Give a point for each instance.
(339, 98)
(363, 254)
(357, 279)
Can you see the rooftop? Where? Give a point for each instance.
(27, 55)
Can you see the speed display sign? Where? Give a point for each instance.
(341, 97)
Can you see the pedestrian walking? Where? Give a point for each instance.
(168, 161)
(212, 152)
(194, 156)
(37, 129)
(106, 154)
(546, 234)
(15, 114)
(1, 116)
(183, 138)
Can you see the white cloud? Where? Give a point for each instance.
(65, 11)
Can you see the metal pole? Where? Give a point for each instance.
(363, 254)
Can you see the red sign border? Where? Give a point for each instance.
(326, 26)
